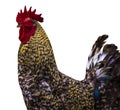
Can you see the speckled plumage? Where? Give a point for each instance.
(44, 87)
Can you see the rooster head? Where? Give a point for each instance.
(26, 22)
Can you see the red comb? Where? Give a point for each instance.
(28, 14)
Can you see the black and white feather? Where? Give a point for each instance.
(103, 73)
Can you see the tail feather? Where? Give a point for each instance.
(103, 73)
(95, 53)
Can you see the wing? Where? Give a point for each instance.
(103, 73)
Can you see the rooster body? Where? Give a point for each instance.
(44, 87)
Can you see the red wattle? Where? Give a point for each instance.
(25, 33)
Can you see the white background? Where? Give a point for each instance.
(72, 27)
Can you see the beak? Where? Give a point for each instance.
(18, 26)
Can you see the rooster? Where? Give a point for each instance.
(44, 87)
